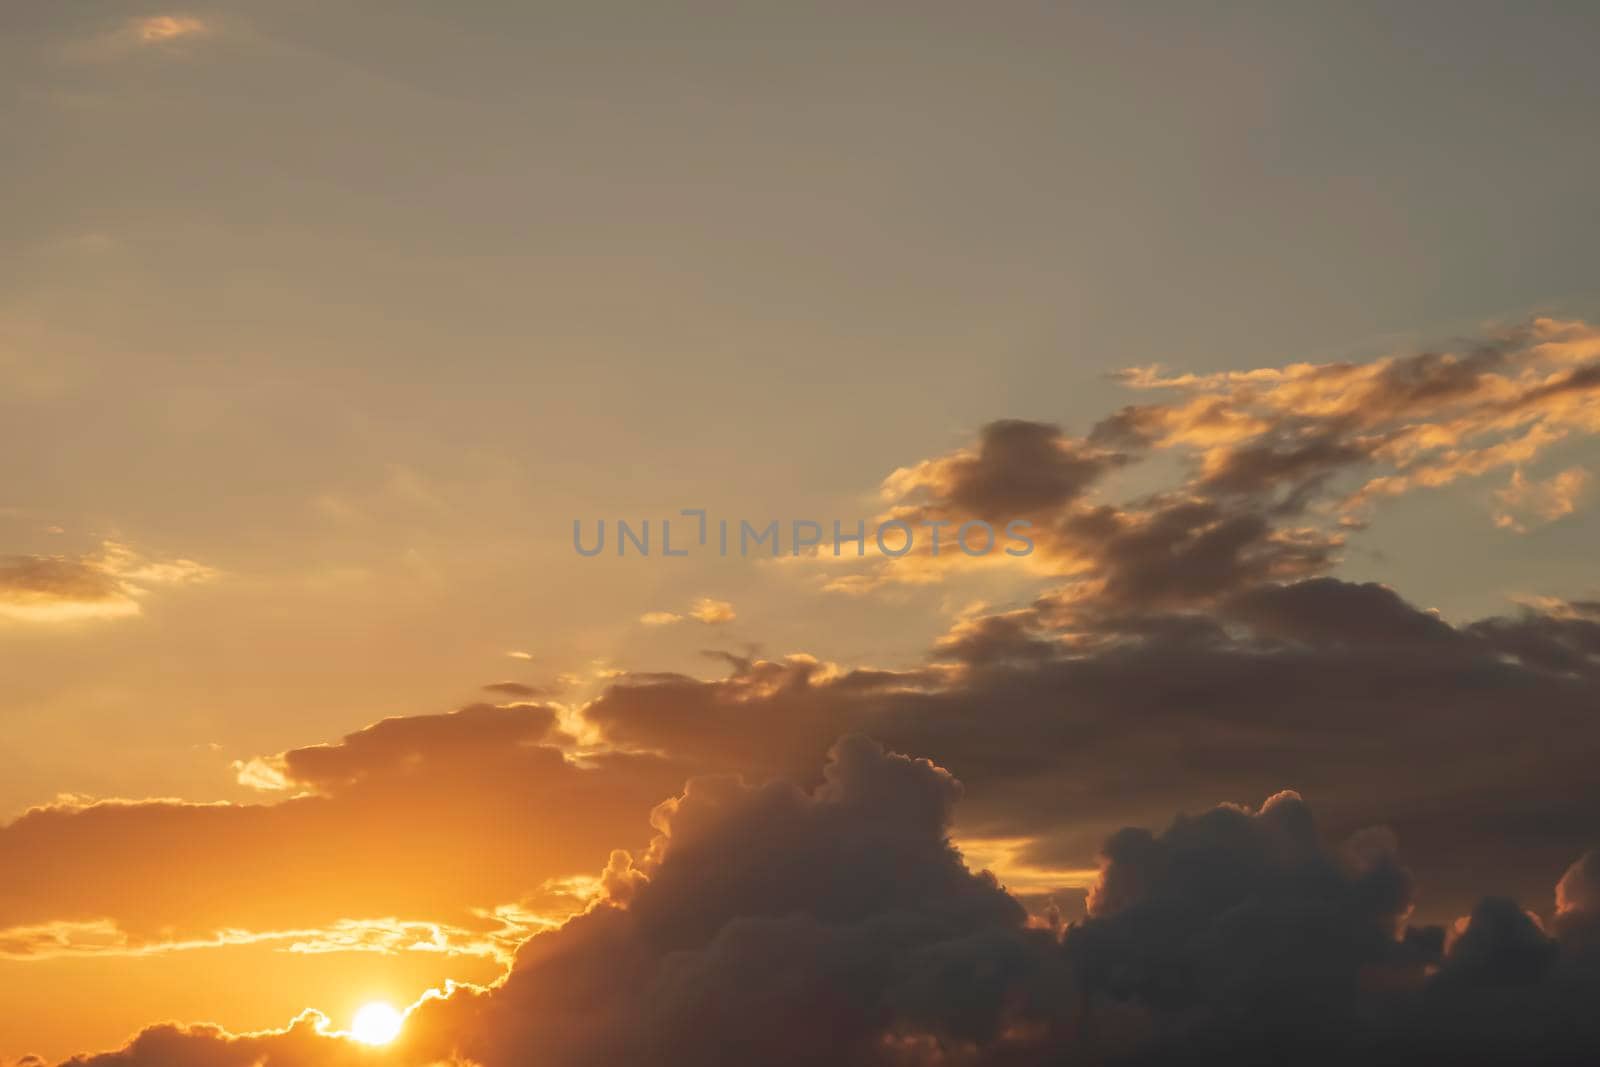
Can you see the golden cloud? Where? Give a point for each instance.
(158, 29)
(1523, 500)
(105, 585)
(705, 609)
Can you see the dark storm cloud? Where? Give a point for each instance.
(837, 926)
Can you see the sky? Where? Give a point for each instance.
(321, 326)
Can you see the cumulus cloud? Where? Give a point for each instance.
(837, 924)
(108, 584)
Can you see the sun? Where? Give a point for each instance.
(376, 1024)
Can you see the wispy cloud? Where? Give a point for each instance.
(705, 609)
(105, 585)
(162, 32)
(495, 936)
(159, 29)
(660, 618)
(1523, 502)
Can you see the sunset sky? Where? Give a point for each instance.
(321, 324)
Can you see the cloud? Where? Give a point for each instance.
(168, 32)
(1016, 469)
(307, 1040)
(729, 961)
(1523, 501)
(1275, 467)
(492, 933)
(160, 29)
(711, 611)
(54, 589)
(834, 912)
(421, 819)
(106, 585)
(837, 924)
(1346, 689)
(660, 618)
(705, 609)
(1330, 612)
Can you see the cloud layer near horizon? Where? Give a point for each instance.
(793, 927)
(404, 820)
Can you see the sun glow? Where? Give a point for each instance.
(376, 1024)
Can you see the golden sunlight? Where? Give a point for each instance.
(376, 1024)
